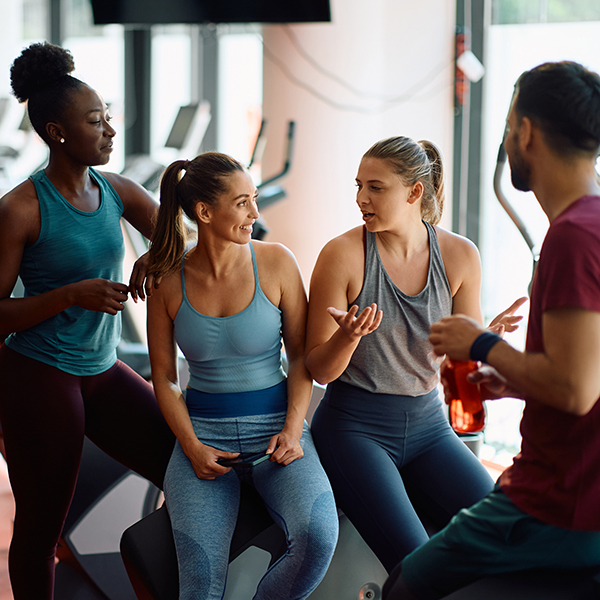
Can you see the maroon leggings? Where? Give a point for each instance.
(45, 414)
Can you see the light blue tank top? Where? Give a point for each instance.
(73, 245)
(239, 353)
(398, 358)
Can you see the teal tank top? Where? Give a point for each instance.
(240, 353)
(73, 245)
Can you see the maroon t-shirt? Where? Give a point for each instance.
(556, 476)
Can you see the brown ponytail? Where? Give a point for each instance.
(169, 237)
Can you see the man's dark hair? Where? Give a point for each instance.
(563, 99)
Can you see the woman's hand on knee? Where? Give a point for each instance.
(285, 448)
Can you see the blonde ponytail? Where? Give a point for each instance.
(432, 205)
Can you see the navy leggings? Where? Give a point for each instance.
(45, 414)
(386, 454)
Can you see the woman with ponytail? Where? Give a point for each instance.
(59, 374)
(375, 291)
(228, 303)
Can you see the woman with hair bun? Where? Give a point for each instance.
(229, 303)
(374, 293)
(59, 376)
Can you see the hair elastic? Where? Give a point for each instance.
(482, 345)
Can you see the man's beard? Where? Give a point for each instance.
(519, 172)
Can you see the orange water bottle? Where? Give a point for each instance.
(467, 412)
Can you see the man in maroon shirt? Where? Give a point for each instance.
(545, 509)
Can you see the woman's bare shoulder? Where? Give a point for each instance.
(454, 246)
(272, 250)
(170, 283)
(22, 197)
(460, 256)
(276, 265)
(339, 270)
(348, 245)
(20, 211)
(169, 292)
(121, 183)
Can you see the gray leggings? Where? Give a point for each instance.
(204, 513)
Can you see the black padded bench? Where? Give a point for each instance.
(148, 549)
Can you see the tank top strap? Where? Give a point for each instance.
(372, 262)
(437, 270)
(183, 274)
(254, 266)
(434, 246)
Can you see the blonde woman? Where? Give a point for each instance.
(381, 430)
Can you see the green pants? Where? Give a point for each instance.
(492, 537)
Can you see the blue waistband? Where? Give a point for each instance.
(237, 404)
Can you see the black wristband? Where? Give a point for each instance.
(482, 345)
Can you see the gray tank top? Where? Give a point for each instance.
(397, 358)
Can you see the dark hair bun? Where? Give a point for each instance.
(39, 66)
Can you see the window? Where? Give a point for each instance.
(523, 34)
